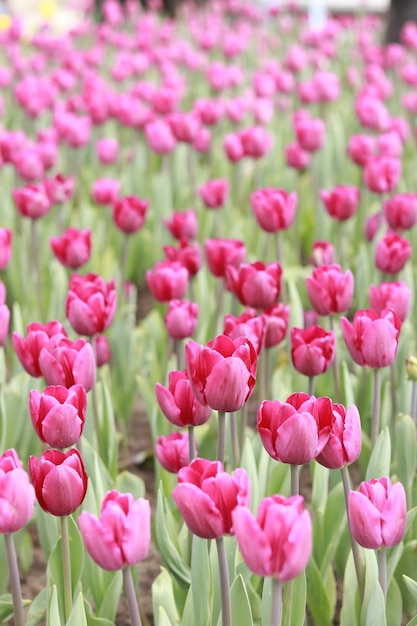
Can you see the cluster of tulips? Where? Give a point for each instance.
(280, 342)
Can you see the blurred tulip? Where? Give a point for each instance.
(390, 295)
(276, 324)
(181, 318)
(255, 285)
(182, 225)
(107, 150)
(6, 236)
(345, 441)
(90, 304)
(249, 325)
(381, 174)
(274, 209)
(214, 193)
(167, 281)
(341, 202)
(392, 253)
(400, 211)
(330, 290)
(72, 248)
(323, 253)
(172, 451)
(67, 363)
(129, 213)
(220, 253)
(105, 191)
(32, 201)
(17, 494)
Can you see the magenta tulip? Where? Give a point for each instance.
(90, 304)
(72, 248)
(392, 253)
(256, 285)
(330, 290)
(67, 363)
(167, 280)
(28, 349)
(182, 225)
(345, 441)
(274, 209)
(172, 451)
(178, 402)
(6, 236)
(249, 324)
(401, 211)
(391, 295)
(341, 202)
(17, 495)
(181, 318)
(312, 350)
(129, 214)
(220, 253)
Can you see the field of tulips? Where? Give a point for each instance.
(208, 223)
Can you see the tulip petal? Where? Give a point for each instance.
(252, 541)
(365, 521)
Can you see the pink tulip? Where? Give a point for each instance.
(297, 430)
(160, 137)
(178, 402)
(186, 254)
(72, 248)
(28, 349)
(400, 211)
(341, 202)
(361, 148)
(296, 157)
(67, 363)
(121, 535)
(220, 253)
(327, 85)
(310, 133)
(214, 193)
(278, 542)
(129, 213)
(312, 350)
(276, 324)
(167, 281)
(274, 209)
(181, 318)
(390, 295)
(206, 496)
(105, 191)
(32, 201)
(256, 285)
(330, 290)
(60, 481)
(256, 142)
(377, 513)
(90, 303)
(58, 414)
(323, 253)
(382, 174)
(184, 126)
(233, 148)
(60, 188)
(392, 253)
(390, 144)
(345, 441)
(222, 373)
(4, 323)
(29, 165)
(372, 338)
(107, 150)
(372, 113)
(182, 225)
(172, 451)
(17, 494)
(249, 325)
(6, 237)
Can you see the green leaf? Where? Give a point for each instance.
(6, 607)
(163, 598)
(37, 609)
(78, 616)
(167, 540)
(406, 449)
(53, 617)
(320, 487)
(248, 463)
(241, 608)
(380, 461)
(334, 523)
(93, 620)
(201, 582)
(108, 429)
(347, 385)
(411, 586)
(413, 621)
(375, 608)
(126, 482)
(162, 618)
(299, 598)
(266, 602)
(319, 597)
(111, 597)
(350, 613)
(394, 609)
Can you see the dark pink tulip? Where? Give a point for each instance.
(390, 144)
(60, 188)
(377, 513)
(223, 252)
(129, 213)
(327, 86)
(172, 451)
(72, 248)
(6, 237)
(121, 535)
(28, 164)
(214, 193)
(310, 133)
(222, 374)
(312, 350)
(58, 414)
(256, 285)
(233, 148)
(202, 140)
(17, 494)
(67, 363)
(391, 295)
(330, 290)
(400, 211)
(279, 541)
(28, 349)
(296, 157)
(90, 304)
(206, 496)
(182, 225)
(184, 126)
(274, 209)
(382, 174)
(107, 150)
(276, 324)
(256, 142)
(187, 254)
(60, 481)
(323, 253)
(372, 338)
(392, 253)
(372, 113)
(181, 318)
(167, 281)
(32, 201)
(105, 191)
(341, 202)
(345, 441)
(160, 137)
(178, 402)
(249, 325)
(361, 148)
(102, 350)
(372, 225)
(209, 110)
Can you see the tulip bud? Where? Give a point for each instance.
(172, 452)
(17, 494)
(411, 368)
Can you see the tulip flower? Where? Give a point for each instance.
(322, 253)
(312, 350)
(274, 209)
(276, 324)
(181, 318)
(223, 252)
(167, 281)
(361, 148)
(32, 201)
(60, 481)
(6, 236)
(392, 253)
(129, 213)
(214, 193)
(394, 295)
(60, 188)
(341, 202)
(187, 254)
(58, 414)
(28, 349)
(105, 191)
(121, 535)
(173, 451)
(182, 225)
(107, 150)
(256, 285)
(345, 441)
(72, 248)
(381, 174)
(178, 402)
(310, 133)
(67, 363)
(17, 495)
(160, 137)
(102, 350)
(296, 157)
(90, 304)
(249, 325)
(400, 211)
(330, 290)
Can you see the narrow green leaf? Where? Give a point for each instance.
(394, 609)
(406, 449)
(163, 619)
(53, 617)
(266, 602)
(318, 596)
(201, 582)
(6, 607)
(37, 609)
(374, 610)
(163, 596)
(380, 461)
(126, 482)
(111, 597)
(241, 608)
(411, 586)
(78, 616)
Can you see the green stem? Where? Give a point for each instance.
(355, 546)
(335, 368)
(224, 583)
(125, 254)
(132, 602)
(295, 479)
(36, 269)
(221, 436)
(283, 293)
(414, 401)
(66, 566)
(191, 443)
(376, 408)
(382, 570)
(235, 440)
(96, 417)
(19, 617)
(393, 385)
(242, 425)
(276, 605)
(311, 385)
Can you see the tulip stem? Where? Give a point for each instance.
(276, 606)
(242, 425)
(66, 566)
(35, 252)
(376, 408)
(414, 402)
(310, 385)
(19, 617)
(355, 546)
(221, 436)
(295, 480)
(335, 368)
(191, 443)
(224, 583)
(132, 602)
(382, 570)
(235, 440)
(125, 253)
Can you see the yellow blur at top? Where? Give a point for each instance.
(5, 21)
(47, 9)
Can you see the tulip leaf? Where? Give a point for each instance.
(407, 568)
(296, 306)
(295, 597)
(111, 596)
(53, 617)
(167, 540)
(334, 523)
(393, 558)
(163, 598)
(347, 385)
(248, 463)
(374, 609)
(413, 621)
(93, 620)
(406, 449)
(320, 487)
(78, 616)
(6, 607)
(350, 613)
(108, 428)
(201, 582)
(126, 482)
(411, 586)
(162, 618)
(380, 461)
(241, 608)
(320, 594)
(37, 609)
(394, 606)
(47, 526)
